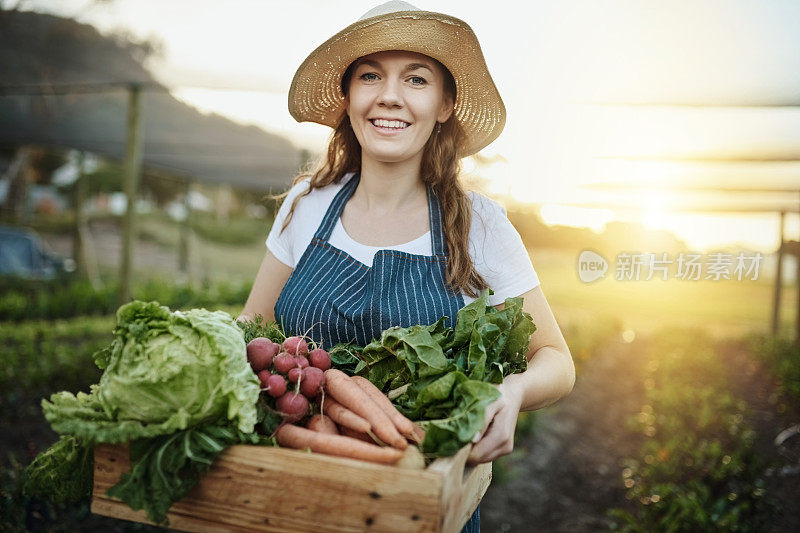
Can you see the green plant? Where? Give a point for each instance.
(782, 356)
(696, 469)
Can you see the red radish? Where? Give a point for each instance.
(284, 362)
(320, 359)
(313, 380)
(292, 406)
(260, 352)
(276, 385)
(263, 377)
(295, 346)
(301, 361)
(294, 374)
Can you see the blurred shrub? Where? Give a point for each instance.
(22, 299)
(40, 357)
(782, 357)
(235, 231)
(585, 337)
(697, 469)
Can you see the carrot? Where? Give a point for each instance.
(292, 436)
(403, 424)
(322, 424)
(419, 433)
(345, 391)
(343, 416)
(344, 430)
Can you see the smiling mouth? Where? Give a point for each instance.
(389, 125)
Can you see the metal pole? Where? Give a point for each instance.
(78, 244)
(776, 301)
(185, 231)
(133, 167)
(797, 280)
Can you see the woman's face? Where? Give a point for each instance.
(405, 88)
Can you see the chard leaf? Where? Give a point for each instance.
(415, 346)
(517, 345)
(385, 371)
(164, 469)
(439, 389)
(447, 435)
(466, 317)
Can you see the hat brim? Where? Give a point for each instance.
(316, 95)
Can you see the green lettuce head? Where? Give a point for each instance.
(164, 371)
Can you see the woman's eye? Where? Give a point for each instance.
(367, 74)
(422, 80)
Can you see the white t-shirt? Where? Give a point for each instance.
(495, 246)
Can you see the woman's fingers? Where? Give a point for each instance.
(492, 410)
(498, 440)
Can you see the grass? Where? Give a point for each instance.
(724, 307)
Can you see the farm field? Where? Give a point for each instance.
(651, 357)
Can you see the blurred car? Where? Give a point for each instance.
(23, 254)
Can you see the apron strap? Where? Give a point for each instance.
(438, 245)
(335, 209)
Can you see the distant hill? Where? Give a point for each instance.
(617, 236)
(38, 49)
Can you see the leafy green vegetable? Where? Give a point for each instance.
(449, 372)
(164, 372)
(177, 385)
(63, 472)
(258, 328)
(445, 436)
(164, 469)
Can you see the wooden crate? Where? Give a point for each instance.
(258, 488)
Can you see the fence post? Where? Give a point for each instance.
(776, 300)
(133, 166)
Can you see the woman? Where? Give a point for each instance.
(382, 233)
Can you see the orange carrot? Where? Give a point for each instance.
(345, 391)
(322, 424)
(343, 416)
(403, 424)
(344, 430)
(292, 436)
(419, 433)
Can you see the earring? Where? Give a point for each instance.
(438, 127)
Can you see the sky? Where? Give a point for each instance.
(595, 92)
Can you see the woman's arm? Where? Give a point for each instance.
(551, 371)
(269, 282)
(550, 376)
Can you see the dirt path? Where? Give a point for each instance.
(569, 472)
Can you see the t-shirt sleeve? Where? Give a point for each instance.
(501, 257)
(281, 243)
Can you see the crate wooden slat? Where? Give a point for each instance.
(258, 488)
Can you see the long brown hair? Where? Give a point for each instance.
(440, 168)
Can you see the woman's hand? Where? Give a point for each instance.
(497, 436)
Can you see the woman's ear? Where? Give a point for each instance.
(446, 110)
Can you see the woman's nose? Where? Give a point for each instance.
(390, 93)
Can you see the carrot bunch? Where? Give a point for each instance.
(355, 420)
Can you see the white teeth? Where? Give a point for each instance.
(390, 123)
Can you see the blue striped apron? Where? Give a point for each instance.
(331, 297)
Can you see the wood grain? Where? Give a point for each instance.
(259, 488)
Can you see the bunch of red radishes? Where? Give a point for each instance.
(275, 363)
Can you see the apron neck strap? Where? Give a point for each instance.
(438, 245)
(335, 209)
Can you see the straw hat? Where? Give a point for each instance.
(316, 95)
